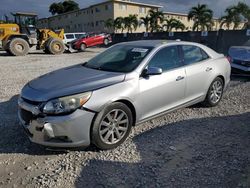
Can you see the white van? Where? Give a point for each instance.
(68, 37)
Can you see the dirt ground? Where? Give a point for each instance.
(192, 147)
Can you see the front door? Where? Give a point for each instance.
(159, 93)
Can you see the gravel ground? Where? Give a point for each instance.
(192, 147)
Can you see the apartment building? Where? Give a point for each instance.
(92, 19)
(189, 23)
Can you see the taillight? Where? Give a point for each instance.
(229, 59)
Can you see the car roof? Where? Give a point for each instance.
(159, 43)
(149, 43)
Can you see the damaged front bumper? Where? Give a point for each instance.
(71, 130)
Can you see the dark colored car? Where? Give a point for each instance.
(89, 40)
(240, 59)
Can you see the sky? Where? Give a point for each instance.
(180, 6)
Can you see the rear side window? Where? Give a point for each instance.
(166, 59)
(69, 36)
(193, 54)
(78, 35)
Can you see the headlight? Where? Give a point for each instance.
(66, 104)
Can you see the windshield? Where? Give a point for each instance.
(120, 58)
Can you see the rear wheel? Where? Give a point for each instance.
(18, 47)
(55, 46)
(83, 47)
(214, 93)
(112, 126)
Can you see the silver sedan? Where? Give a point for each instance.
(99, 101)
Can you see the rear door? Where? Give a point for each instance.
(198, 69)
(159, 93)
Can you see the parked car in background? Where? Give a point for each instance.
(99, 101)
(240, 59)
(69, 37)
(90, 40)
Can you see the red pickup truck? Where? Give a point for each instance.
(89, 40)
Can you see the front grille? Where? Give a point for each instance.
(242, 63)
(26, 116)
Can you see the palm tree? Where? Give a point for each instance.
(130, 23)
(202, 17)
(231, 17)
(170, 24)
(109, 23)
(178, 25)
(244, 10)
(146, 22)
(119, 24)
(155, 18)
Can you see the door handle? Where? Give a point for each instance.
(179, 78)
(209, 69)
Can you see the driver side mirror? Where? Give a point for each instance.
(150, 71)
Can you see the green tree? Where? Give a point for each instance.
(178, 25)
(173, 23)
(109, 24)
(244, 10)
(202, 17)
(119, 24)
(63, 7)
(146, 22)
(131, 23)
(231, 17)
(156, 17)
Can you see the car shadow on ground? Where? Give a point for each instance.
(207, 152)
(12, 136)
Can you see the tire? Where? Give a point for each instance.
(106, 42)
(215, 93)
(46, 46)
(82, 47)
(106, 127)
(18, 47)
(55, 46)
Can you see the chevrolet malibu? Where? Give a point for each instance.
(100, 100)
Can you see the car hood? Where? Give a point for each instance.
(242, 54)
(69, 81)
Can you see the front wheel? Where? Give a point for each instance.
(82, 47)
(112, 126)
(106, 42)
(214, 93)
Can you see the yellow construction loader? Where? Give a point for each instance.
(17, 38)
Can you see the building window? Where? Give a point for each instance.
(108, 7)
(97, 10)
(96, 23)
(122, 6)
(142, 10)
(92, 11)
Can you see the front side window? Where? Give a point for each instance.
(120, 58)
(70, 36)
(193, 54)
(166, 59)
